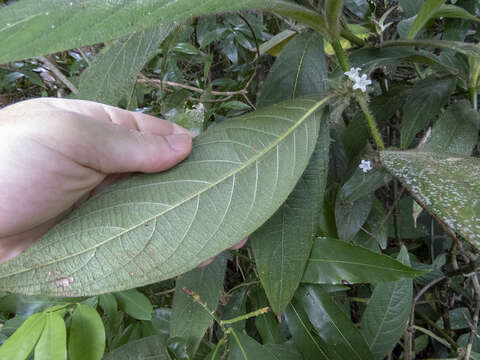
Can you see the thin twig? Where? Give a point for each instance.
(58, 74)
(474, 325)
(161, 84)
(85, 57)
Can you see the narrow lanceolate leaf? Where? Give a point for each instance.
(53, 342)
(282, 245)
(300, 70)
(456, 130)
(153, 227)
(111, 78)
(386, 316)
(469, 49)
(20, 345)
(31, 28)
(333, 261)
(424, 101)
(333, 325)
(447, 185)
(206, 282)
(275, 45)
(304, 336)
(151, 348)
(86, 338)
(428, 9)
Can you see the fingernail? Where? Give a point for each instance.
(178, 142)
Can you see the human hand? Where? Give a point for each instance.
(55, 153)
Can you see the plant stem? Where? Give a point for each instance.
(246, 316)
(362, 100)
(474, 97)
(341, 55)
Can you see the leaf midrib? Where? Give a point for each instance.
(249, 162)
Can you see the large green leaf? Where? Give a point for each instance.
(469, 49)
(111, 78)
(447, 185)
(428, 9)
(411, 7)
(206, 282)
(20, 345)
(387, 313)
(423, 102)
(254, 350)
(304, 336)
(282, 245)
(300, 70)
(153, 227)
(86, 338)
(333, 325)
(35, 27)
(151, 348)
(333, 261)
(456, 130)
(53, 342)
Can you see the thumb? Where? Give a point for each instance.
(127, 150)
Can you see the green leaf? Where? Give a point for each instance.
(333, 15)
(266, 324)
(111, 78)
(428, 8)
(177, 348)
(109, 305)
(411, 7)
(275, 45)
(304, 336)
(208, 283)
(469, 49)
(423, 102)
(135, 304)
(446, 185)
(387, 313)
(20, 345)
(53, 342)
(86, 338)
(332, 324)
(254, 350)
(49, 26)
(452, 11)
(333, 261)
(282, 245)
(152, 227)
(27, 305)
(350, 215)
(456, 130)
(300, 70)
(236, 306)
(152, 348)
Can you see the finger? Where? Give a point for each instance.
(128, 119)
(206, 262)
(239, 245)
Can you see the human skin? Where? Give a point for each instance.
(56, 153)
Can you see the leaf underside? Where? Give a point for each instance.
(446, 185)
(153, 227)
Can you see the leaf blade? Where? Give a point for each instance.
(53, 342)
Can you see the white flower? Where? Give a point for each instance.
(353, 73)
(365, 165)
(361, 83)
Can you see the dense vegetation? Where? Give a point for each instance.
(353, 129)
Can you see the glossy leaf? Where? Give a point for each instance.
(267, 324)
(456, 130)
(304, 336)
(153, 227)
(333, 261)
(86, 338)
(53, 342)
(152, 348)
(208, 283)
(20, 345)
(135, 304)
(254, 350)
(111, 78)
(333, 325)
(45, 26)
(282, 245)
(423, 102)
(445, 184)
(387, 313)
(300, 70)
(236, 306)
(428, 8)
(465, 48)
(27, 305)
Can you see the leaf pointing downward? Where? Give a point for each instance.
(153, 227)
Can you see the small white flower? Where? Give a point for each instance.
(365, 165)
(361, 83)
(353, 73)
